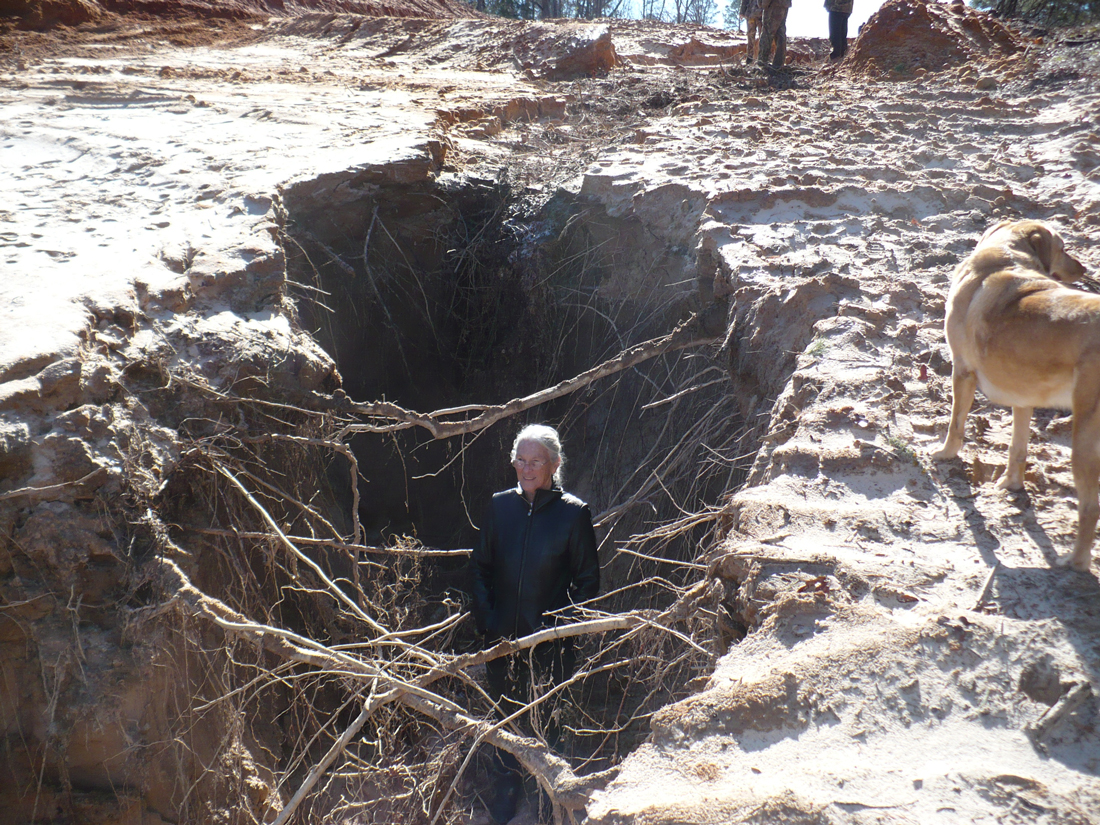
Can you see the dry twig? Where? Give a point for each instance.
(398, 418)
(565, 788)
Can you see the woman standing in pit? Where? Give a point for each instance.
(536, 555)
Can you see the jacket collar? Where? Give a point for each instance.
(542, 497)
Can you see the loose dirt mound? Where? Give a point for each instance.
(48, 13)
(905, 35)
(578, 51)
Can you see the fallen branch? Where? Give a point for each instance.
(622, 621)
(52, 488)
(401, 419)
(985, 587)
(596, 781)
(592, 781)
(338, 545)
(565, 788)
(302, 557)
(318, 770)
(562, 785)
(1074, 696)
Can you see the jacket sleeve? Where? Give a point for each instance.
(584, 563)
(481, 572)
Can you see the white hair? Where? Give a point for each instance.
(548, 438)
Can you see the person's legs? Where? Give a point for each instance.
(781, 42)
(773, 32)
(752, 34)
(513, 683)
(767, 34)
(554, 663)
(508, 677)
(838, 34)
(507, 787)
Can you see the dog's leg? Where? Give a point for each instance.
(1086, 472)
(963, 385)
(1013, 478)
(1086, 463)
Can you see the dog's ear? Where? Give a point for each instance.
(1042, 241)
(998, 225)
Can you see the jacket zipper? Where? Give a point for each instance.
(523, 566)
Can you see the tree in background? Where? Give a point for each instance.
(731, 16)
(1044, 12)
(701, 12)
(698, 12)
(548, 9)
(592, 9)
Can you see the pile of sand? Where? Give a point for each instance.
(43, 14)
(906, 35)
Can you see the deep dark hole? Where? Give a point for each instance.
(441, 295)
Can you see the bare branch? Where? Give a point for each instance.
(339, 545)
(52, 488)
(565, 788)
(289, 545)
(318, 770)
(392, 418)
(1074, 696)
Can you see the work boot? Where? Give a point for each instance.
(505, 799)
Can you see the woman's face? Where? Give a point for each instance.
(535, 467)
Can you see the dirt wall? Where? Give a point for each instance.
(49, 13)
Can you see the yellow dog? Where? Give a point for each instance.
(1028, 341)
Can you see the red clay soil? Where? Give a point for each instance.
(905, 35)
(49, 13)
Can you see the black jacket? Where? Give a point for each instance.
(531, 558)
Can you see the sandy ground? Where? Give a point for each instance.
(116, 157)
(871, 558)
(909, 629)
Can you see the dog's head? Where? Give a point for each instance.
(1042, 243)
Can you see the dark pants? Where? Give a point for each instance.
(515, 680)
(838, 33)
(773, 32)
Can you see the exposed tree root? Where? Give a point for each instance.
(387, 418)
(564, 787)
(383, 708)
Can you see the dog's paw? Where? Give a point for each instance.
(1075, 561)
(1012, 485)
(944, 453)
